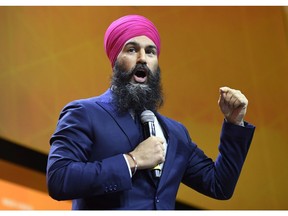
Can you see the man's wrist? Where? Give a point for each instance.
(241, 123)
(132, 163)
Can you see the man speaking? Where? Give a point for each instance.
(102, 158)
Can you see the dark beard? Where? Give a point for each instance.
(137, 97)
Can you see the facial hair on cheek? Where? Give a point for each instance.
(137, 97)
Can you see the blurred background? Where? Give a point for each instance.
(50, 55)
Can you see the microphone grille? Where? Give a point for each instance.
(147, 116)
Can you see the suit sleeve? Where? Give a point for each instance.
(70, 173)
(218, 179)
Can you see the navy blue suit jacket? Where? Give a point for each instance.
(86, 162)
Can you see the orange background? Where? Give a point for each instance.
(24, 189)
(52, 55)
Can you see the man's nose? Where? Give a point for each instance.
(141, 56)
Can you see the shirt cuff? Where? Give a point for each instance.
(128, 166)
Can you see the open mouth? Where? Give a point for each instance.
(140, 76)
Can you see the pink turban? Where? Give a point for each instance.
(125, 28)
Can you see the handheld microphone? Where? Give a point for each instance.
(147, 119)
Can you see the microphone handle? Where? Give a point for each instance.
(149, 130)
(157, 171)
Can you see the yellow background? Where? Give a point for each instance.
(52, 55)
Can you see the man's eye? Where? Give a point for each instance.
(131, 49)
(151, 51)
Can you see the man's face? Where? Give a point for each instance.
(136, 77)
(137, 50)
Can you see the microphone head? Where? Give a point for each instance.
(147, 116)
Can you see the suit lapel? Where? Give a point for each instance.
(171, 151)
(124, 121)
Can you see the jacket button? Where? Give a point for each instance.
(110, 188)
(115, 187)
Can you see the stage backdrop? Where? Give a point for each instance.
(52, 55)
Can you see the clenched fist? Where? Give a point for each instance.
(149, 153)
(233, 105)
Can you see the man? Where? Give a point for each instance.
(99, 156)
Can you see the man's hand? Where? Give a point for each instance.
(233, 105)
(149, 153)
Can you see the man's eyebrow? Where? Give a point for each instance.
(152, 47)
(133, 43)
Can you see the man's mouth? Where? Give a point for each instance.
(140, 76)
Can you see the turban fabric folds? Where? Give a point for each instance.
(125, 28)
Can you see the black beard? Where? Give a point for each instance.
(137, 97)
